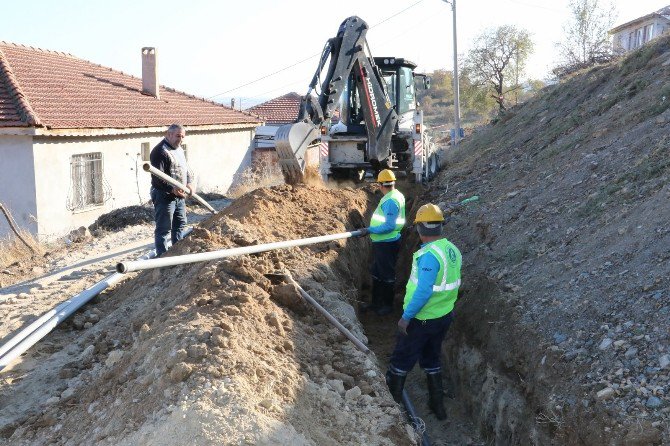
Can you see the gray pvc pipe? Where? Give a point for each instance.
(21, 335)
(30, 335)
(168, 179)
(362, 347)
(126, 267)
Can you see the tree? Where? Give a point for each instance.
(586, 36)
(497, 59)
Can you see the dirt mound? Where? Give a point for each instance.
(122, 217)
(211, 196)
(562, 332)
(215, 353)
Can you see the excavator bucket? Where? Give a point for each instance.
(291, 141)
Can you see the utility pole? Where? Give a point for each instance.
(457, 108)
(516, 82)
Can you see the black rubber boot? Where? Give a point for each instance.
(436, 395)
(377, 299)
(386, 298)
(396, 383)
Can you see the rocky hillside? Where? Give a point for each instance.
(563, 330)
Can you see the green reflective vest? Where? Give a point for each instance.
(378, 218)
(445, 288)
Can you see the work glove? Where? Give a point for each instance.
(363, 232)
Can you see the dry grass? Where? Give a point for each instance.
(262, 174)
(13, 250)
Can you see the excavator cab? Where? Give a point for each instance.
(399, 77)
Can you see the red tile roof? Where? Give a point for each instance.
(40, 88)
(281, 110)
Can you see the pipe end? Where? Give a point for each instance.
(146, 167)
(120, 268)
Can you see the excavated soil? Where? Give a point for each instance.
(215, 352)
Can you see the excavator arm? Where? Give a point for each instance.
(348, 55)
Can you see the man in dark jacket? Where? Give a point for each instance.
(169, 201)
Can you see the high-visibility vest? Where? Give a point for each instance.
(378, 218)
(445, 288)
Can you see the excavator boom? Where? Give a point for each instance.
(349, 58)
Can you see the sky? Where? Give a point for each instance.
(220, 49)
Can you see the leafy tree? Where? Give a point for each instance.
(586, 36)
(476, 102)
(498, 59)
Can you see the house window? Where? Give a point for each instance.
(649, 32)
(185, 148)
(146, 151)
(86, 181)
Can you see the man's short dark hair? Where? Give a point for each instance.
(175, 128)
(430, 229)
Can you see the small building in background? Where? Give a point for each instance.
(634, 34)
(74, 136)
(274, 113)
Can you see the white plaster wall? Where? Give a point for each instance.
(124, 184)
(218, 158)
(17, 182)
(621, 42)
(214, 156)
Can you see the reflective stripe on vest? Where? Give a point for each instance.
(443, 285)
(445, 288)
(378, 218)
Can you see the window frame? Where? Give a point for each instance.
(86, 181)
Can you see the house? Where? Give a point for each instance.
(633, 34)
(74, 136)
(275, 113)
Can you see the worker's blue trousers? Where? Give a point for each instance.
(170, 216)
(385, 255)
(423, 342)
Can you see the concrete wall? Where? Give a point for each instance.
(17, 182)
(215, 157)
(124, 181)
(218, 158)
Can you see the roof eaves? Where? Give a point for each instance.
(23, 106)
(637, 20)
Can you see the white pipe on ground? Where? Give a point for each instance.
(126, 267)
(168, 179)
(21, 335)
(30, 335)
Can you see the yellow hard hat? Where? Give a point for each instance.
(386, 176)
(429, 213)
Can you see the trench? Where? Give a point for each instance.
(486, 399)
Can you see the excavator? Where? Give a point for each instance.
(379, 123)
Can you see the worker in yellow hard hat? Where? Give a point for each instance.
(430, 295)
(385, 225)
